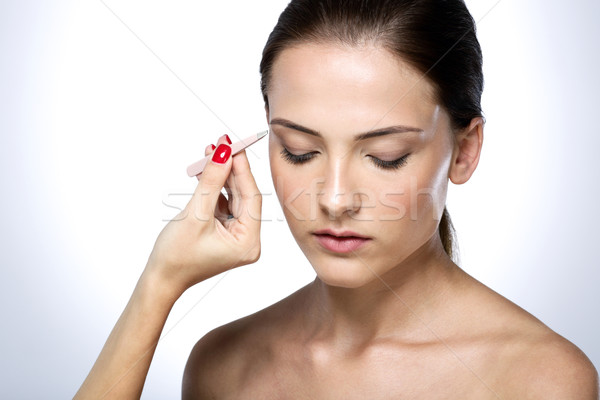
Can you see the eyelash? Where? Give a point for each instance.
(296, 159)
(383, 164)
(394, 164)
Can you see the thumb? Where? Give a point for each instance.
(211, 182)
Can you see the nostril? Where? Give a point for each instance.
(338, 204)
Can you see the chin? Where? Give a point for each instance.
(350, 274)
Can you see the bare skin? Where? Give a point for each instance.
(396, 318)
(392, 318)
(197, 244)
(484, 347)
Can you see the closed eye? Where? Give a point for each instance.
(297, 158)
(390, 165)
(383, 164)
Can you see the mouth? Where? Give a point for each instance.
(340, 242)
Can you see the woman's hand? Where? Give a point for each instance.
(200, 242)
(213, 233)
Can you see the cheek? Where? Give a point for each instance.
(415, 201)
(428, 198)
(427, 192)
(280, 179)
(293, 191)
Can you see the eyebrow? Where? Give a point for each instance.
(362, 136)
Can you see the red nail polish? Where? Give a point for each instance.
(227, 138)
(212, 146)
(222, 154)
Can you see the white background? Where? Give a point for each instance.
(96, 133)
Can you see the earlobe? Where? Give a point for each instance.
(467, 149)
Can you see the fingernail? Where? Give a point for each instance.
(227, 138)
(221, 154)
(212, 146)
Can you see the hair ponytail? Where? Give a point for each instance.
(448, 236)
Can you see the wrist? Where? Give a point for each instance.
(154, 287)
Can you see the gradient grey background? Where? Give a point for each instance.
(97, 133)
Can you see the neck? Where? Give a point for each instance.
(397, 304)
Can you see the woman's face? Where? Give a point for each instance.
(360, 154)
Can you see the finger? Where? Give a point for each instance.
(231, 195)
(224, 139)
(227, 187)
(209, 149)
(222, 209)
(211, 181)
(243, 185)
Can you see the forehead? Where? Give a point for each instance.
(356, 87)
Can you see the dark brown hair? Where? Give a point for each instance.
(436, 37)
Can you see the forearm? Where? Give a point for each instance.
(201, 242)
(121, 368)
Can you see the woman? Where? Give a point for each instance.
(373, 107)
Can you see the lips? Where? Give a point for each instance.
(340, 242)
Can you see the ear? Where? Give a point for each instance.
(467, 149)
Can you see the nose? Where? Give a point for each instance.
(337, 195)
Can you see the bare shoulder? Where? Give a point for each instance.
(550, 367)
(532, 361)
(213, 363)
(226, 357)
